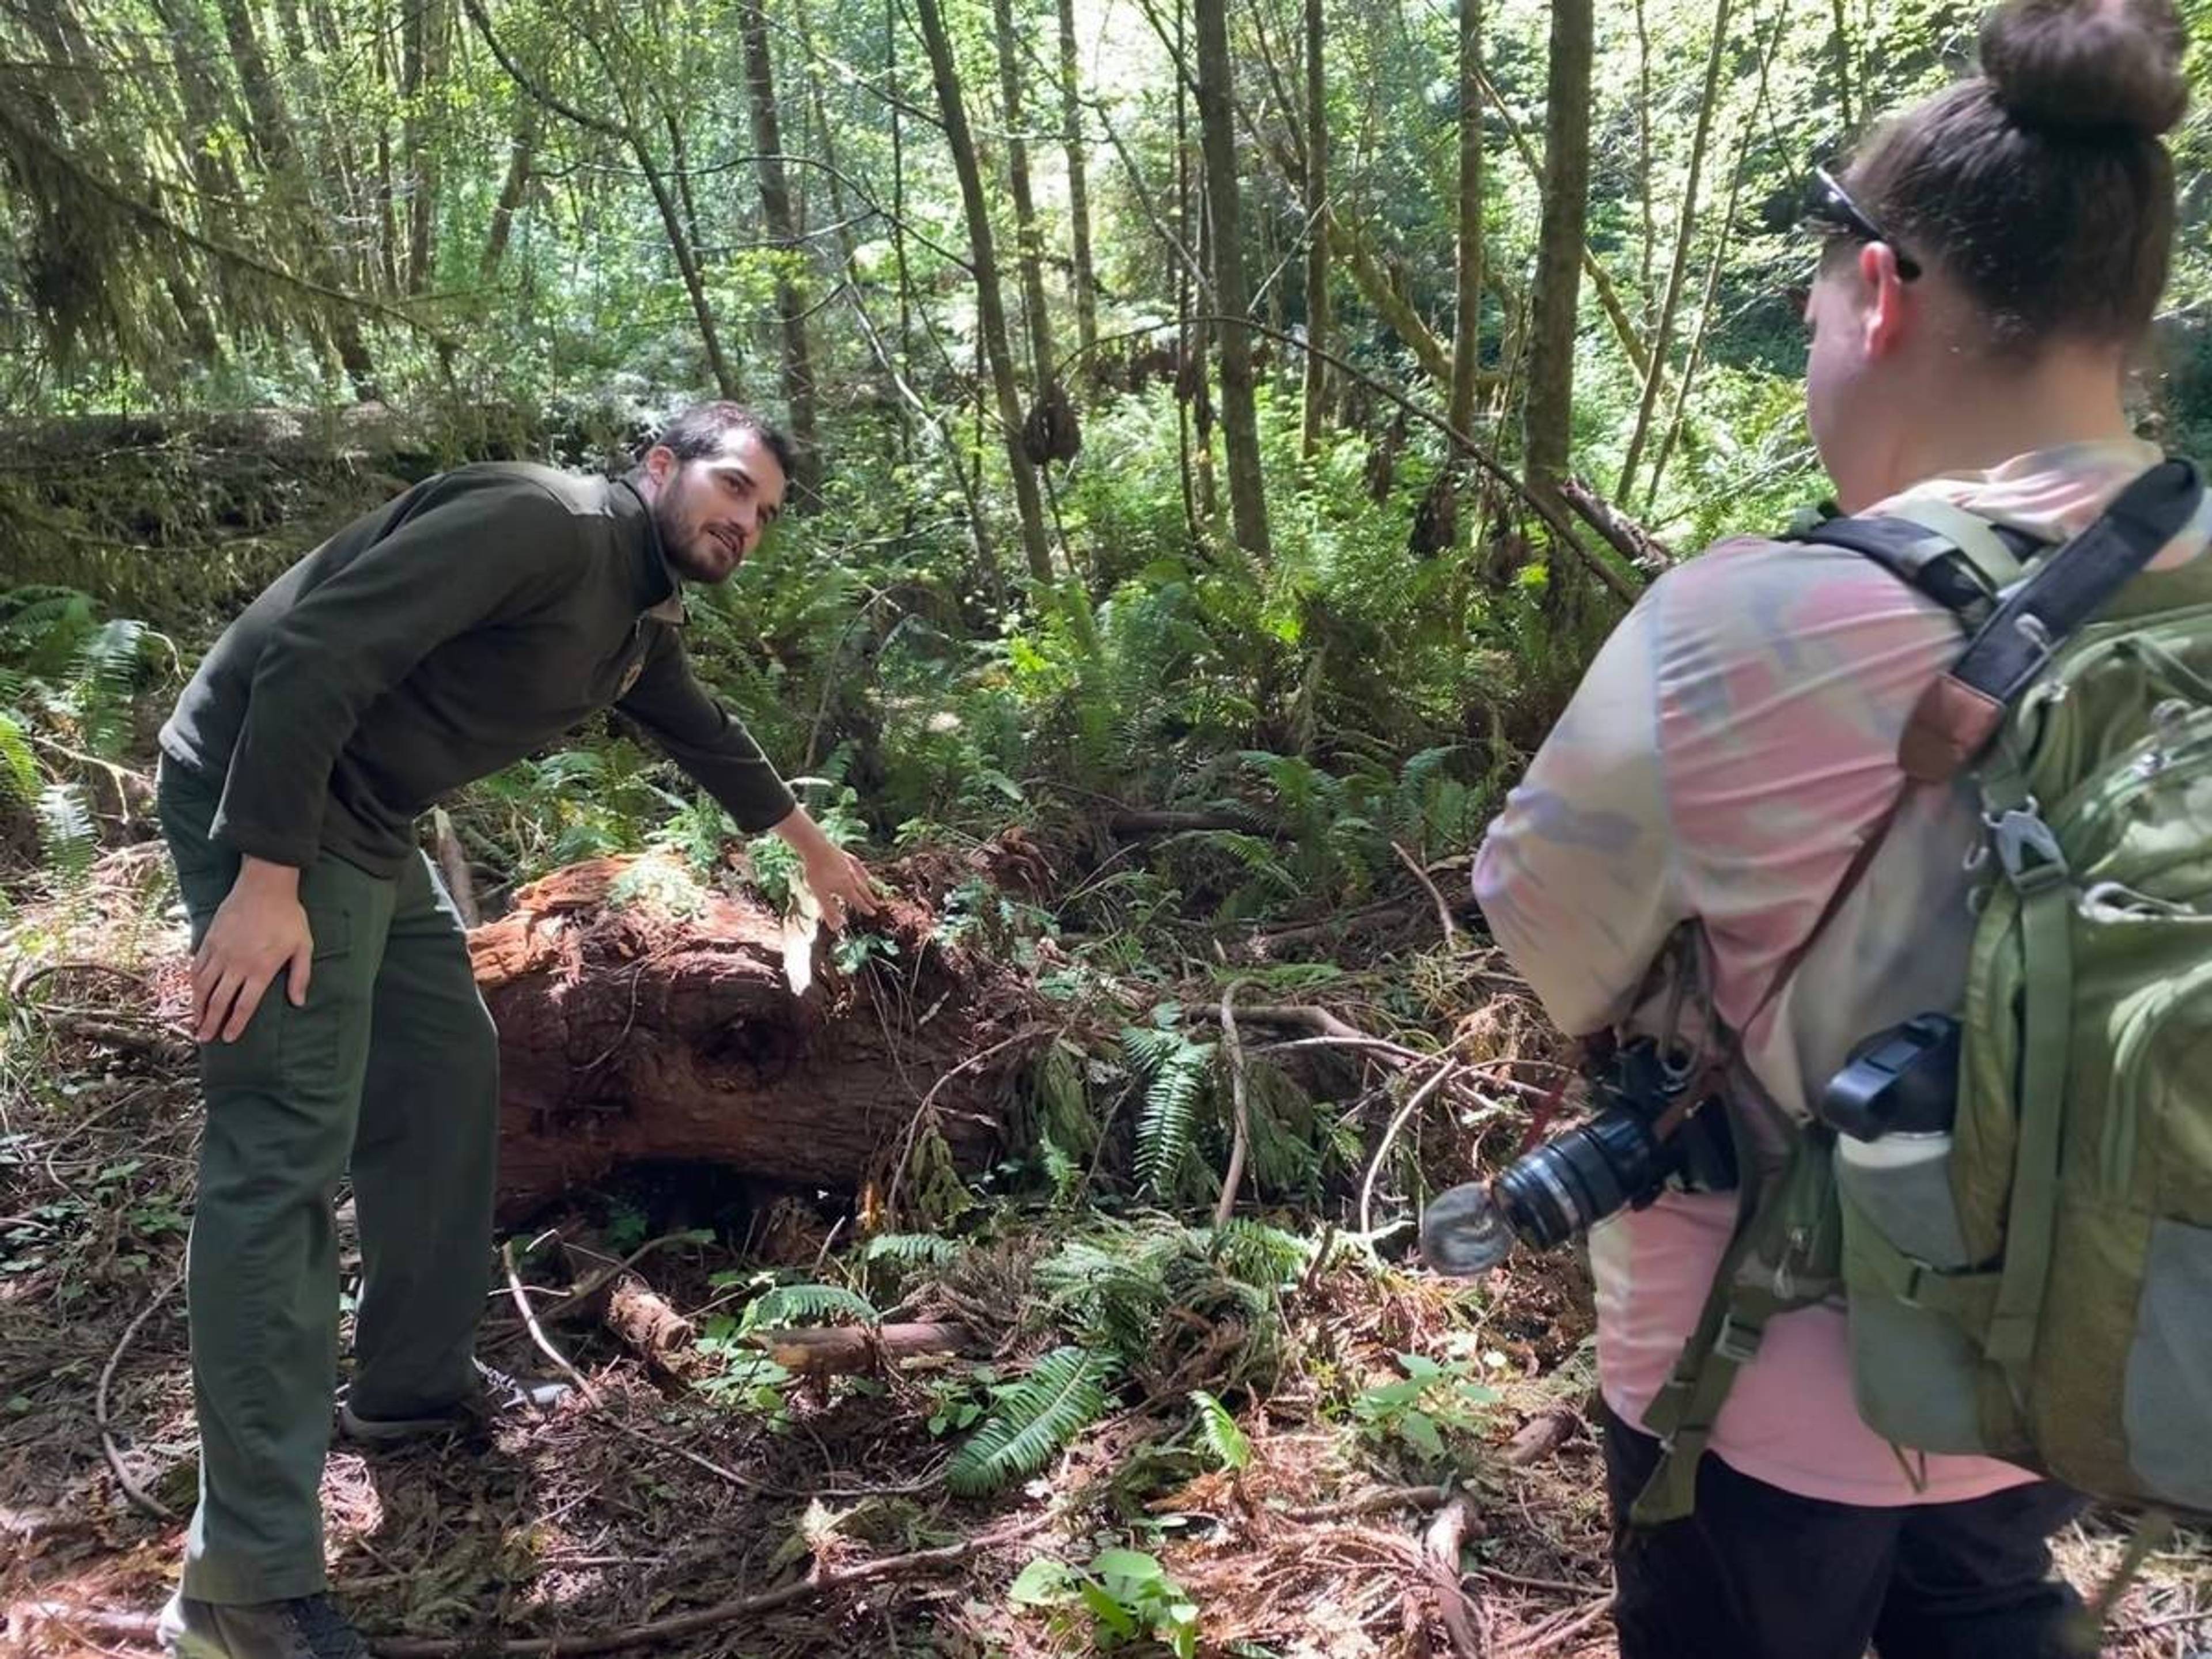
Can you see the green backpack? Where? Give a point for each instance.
(2038, 1287)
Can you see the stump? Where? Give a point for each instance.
(642, 1017)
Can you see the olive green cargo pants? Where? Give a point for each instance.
(391, 1064)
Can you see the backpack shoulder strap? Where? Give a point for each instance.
(1961, 561)
(1960, 713)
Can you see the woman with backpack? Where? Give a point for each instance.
(1718, 845)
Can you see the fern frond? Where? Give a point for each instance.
(1111, 1287)
(913, 1249)
(1223, 1438)
(787, 1304)
(1252, 1252)
(67, 839)
(19, 767)
(1063, 1105)
(1148, 1047)
(1170, 1122)
(105, 675)
(1062, 1397)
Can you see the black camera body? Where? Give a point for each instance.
(1618, 1159)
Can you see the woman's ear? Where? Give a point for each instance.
(1892, 309)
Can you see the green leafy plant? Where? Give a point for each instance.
(1227, 1442)
(1433, 1399)
(1064, 1393)
(1128, 1593)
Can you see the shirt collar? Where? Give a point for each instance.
(658, 592)
(2057, 493)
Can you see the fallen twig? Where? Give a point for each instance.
(24, 982)
(137, 1494)
(1630, 539)
(922, 1113)
(1560, 1635)
(1441, 1544)
(1436, 1081)
(821, 1582)
(1372, 1502)
(841, 1349)
(1443, 910)
(153, 1040)
(1227, 1203)
(1290, 1013)
(576, 1300)
(2164, 1621)
(537, 1331)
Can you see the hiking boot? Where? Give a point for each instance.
(473, 1413)
(309, 1628)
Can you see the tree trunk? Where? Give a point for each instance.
(213, 177)
(631, 135)
(848, 250)
(1720, 244)
(1317, 221)
(1079, 193)
(990, 304)
(387, 192)
(522, 152)
(1651, 241)
(422, 66)
(1843, 36)
(1670, 306)
(1549, 412)
(271, 132)
(1631, 343)
(1028, 247)
(719, 363)
(628, 1034)
(1467, 337)
(679, 155)
(1240, 424)
(790, 274)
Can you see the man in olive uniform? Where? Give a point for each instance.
(465, 624)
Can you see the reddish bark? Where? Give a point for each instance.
(630, 1033)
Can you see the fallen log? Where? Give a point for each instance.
(649, 1325)
(840, 1349)
(645, 1019)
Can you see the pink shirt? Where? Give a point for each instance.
(1732, 744)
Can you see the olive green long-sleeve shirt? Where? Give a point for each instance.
(454, 630)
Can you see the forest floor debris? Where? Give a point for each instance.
(1411, 1473)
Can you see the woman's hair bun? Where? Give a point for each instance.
(2088, 66)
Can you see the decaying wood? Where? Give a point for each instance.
(841, 1350)
(453, 865)
(1542, 1435)
(635, 1028)
(1630, 539)
(1446, 1536)
(646, 1323)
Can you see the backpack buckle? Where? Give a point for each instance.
(2026, 848)
(1736, 1341)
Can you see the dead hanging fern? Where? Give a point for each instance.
(1052, 432)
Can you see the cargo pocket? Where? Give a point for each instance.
(314, 1040)
(2168, 1404)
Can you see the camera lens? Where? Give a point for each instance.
(1567, 1185)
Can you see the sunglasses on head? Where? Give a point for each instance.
(1829, 205)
